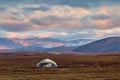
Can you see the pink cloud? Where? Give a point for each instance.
(64, 18)
(3, 47)
(22, 42)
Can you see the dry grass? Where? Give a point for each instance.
(71, 67)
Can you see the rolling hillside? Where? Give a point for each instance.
(111, 44)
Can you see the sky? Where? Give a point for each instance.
(60, 19)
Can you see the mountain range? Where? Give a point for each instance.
(40, 44)
(105, 45)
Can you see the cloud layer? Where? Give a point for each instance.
(68, 19)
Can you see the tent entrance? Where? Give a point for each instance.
(45, 64)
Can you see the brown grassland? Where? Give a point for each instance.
(70, 67)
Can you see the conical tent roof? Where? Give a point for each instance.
(47, 61)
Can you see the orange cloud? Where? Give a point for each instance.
(10, 35)
(101, 23)
(15, 35)
(104, 10)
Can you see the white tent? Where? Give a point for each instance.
(47, 63)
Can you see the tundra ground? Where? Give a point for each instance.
(70, 67)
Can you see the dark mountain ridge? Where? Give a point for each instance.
(111, 44)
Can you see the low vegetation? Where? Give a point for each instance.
(71, 67)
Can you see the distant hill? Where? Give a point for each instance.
(61, 49)
(8, 44)
(111, 44)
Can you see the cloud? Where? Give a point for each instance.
(21, 41)
(109, 31)
(6, 34)
(103, 24)
(101, 17)
(3, 47)
(106, 17)
(61, 11)
(71, 18)
(98, 35)
(78, 3)
(32, 8)
(56, 17)
(60, 17)
(105, 32)
(16, 26)
(14, 35)
(10, 35)
(73, 3)
(53, 22)
(12, 25)
(43, 34)
(2, 9)
(50, 34)
(83, 32)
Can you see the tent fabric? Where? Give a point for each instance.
(47, 63)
